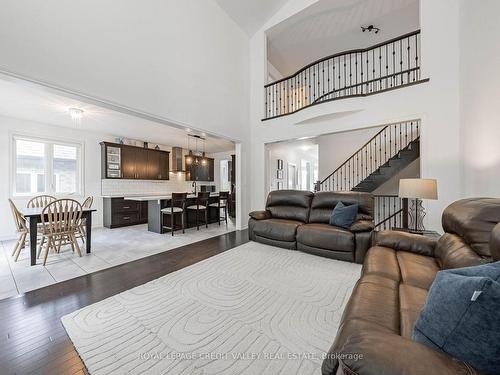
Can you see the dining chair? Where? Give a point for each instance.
(82, 232)
(201, 205)
(60, 220)
(222, 203)
(21, 229)
(40, 201)
(177, 206)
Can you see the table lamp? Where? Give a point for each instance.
(417, 189)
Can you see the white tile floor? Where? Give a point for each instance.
(110, 247)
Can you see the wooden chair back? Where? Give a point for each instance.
(87, 203)
(19, 219)
(202, 199)
(61, 216)
(179, 200)
(40, 201)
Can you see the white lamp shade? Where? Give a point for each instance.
(418, 188)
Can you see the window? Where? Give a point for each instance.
(44, 166)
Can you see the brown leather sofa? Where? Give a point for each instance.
(300, 220)
(397, 274)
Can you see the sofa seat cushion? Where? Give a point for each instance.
(277, 229)
(375, 299)
(411, 302)
(325, 236)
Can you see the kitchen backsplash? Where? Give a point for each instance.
(120, 188)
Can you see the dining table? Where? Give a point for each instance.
(34, 216)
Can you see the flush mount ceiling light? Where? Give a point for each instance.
(75, 113)
(370, 28)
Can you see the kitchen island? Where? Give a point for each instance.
(158, 202)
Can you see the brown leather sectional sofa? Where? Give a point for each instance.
(300, 220)
(397, 274)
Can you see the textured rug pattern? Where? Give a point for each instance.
(255, 309)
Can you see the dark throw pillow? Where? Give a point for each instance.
(343, 216)
(462, 316)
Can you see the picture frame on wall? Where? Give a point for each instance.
(280, 163)
(279, 174)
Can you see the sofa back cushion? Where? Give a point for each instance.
(473, 220)
(289, 204)
(452, 252)
(324, 202)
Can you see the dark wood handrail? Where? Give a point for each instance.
(358, 50)
(389, 218)
(353, 155)
(407, 71)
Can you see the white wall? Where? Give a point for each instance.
(185, 61)
(436, 103)
(480, 97)
(335, 149)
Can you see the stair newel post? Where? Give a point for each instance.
(405, 213)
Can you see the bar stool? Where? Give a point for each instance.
(177, 205)
(222, 202)
(201, 205)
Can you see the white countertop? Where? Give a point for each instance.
(160, 197)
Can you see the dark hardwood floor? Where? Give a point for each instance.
(32, 338)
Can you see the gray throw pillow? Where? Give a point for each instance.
(462, 316)
(343, 216)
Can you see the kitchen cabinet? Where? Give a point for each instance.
(199, 172)
(135, 163)
(119, 212)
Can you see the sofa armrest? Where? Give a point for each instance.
(362, 226)
(260, 215)
(389, 354)
(404, 241)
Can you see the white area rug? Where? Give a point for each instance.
(255, 309)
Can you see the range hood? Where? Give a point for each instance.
(177, 160)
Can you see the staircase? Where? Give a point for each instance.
(387, 153)
(389, 169)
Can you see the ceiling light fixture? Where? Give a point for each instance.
(370, 28)
(196, 157)
(75, 113)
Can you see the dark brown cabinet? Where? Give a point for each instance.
(200, 172)
(119, 212)
(136, 163)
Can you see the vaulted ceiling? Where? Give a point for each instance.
(332, 26)
(250, 14)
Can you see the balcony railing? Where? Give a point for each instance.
(385, 66)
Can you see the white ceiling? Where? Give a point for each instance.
(35, 104)
(250, 15)
(332, 26)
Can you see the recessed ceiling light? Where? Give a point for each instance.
(75, 113)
